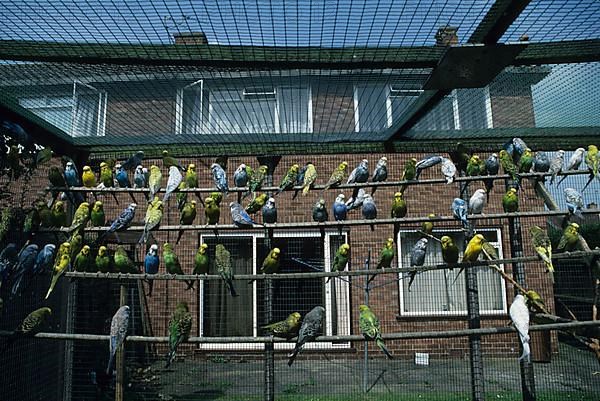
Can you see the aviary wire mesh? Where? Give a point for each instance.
(322, 82)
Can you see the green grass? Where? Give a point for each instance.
(504, 396)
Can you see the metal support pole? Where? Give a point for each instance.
(269, 347)
(474, 322)
(71, 293)
(269, 371)
(516, 250)
(120, 363)
(366, 343)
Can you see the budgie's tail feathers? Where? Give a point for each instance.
(110, 362)
(292, 356)
(383, 348)
(526, 355)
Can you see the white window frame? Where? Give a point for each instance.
(179, 104)
(392, 93)
(497, 244)
(342, 288)
(279, 89)
(102, 106)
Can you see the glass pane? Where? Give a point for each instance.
(293, 110)
(298, 255)
(86, 115)
(57, 110)
(471, 108)
(437, 291)
(230, 113)
(225, 315)
(399, 105)
(372, 108)
(192, 111)
(441, 117)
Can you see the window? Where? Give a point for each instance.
(57, 110)
(398, 101)
(257, 109)
(89, 111)
(461, 109)
(435, 292)
(370, 103)
(222, 315)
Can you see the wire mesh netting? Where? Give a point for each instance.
(244, 83)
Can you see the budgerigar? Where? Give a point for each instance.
(370, 328)
(151, 263)
(106, 176)
(180, 327)
(459, 211)
(172, 264)
(287, 328)
(122, 177)
(427, 226)
(30, 326)
(398, 209)
(519, 314)
(543, 247)
(289, 179)
(475, 166)
(574, 162)
(472, 252)
(387, 255)
(574, 201)
(272, 262)
(319, 211)
(97, 215)
(448, 170)
(239, 216)
(240, 176)
(492, 166)
(556, 165)
(169, 161)
(369, 209)
(224, 268)
(140, 180)
(309, 329)
(23, 270)
(219, 178)
(201, 260)
(427, 162)
(449, 250)
(154, 215)
(417, 258)
(256, 180)
(340, 210)
(118, 331)
(257, 203)
(569, 238)
(380, 173)
(509, 166)
(356, 200)
(526, 161)
(191, 177)
(81, 217)
(337, 176)
(83, 261)
(44, 260)
(510, 201)
(103, 263)
(310, 175)
(175, 178)
(212, 212)
(269, 212)
(88, 178)
(477, 201)
(360, 173)
(64, 260)
(340, 260)
(187, 217)
(133, 161)
(123, 263)
(541, 162)
(592, 161)
(121, 222)
(154, 181)
(460, 156)
(58, 214)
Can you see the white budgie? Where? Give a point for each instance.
(519, 313)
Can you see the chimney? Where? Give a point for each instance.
(446, 36)
(190, 38)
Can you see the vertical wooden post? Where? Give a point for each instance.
(120, 359)
(474, 322)
(516, 251)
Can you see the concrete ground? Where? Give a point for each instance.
(570, 375)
